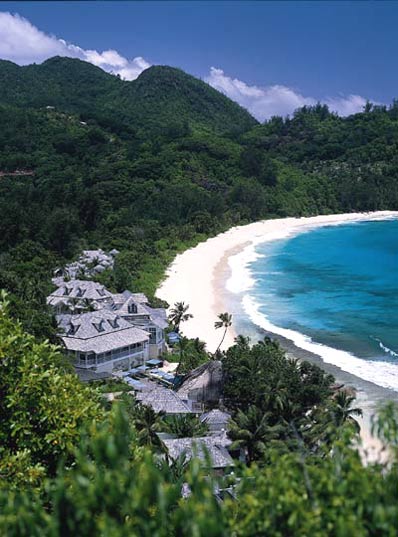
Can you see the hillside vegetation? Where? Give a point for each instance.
(70, 465)
(152, 166)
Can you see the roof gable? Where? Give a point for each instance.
(203, 448)
(86, 289)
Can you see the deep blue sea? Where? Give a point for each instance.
(337, 285)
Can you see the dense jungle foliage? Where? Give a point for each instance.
(153, 166)
(73, 464)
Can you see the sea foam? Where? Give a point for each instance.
(384, 348)
(241, 280)
(384, 374)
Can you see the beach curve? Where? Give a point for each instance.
(204, 275)
(199, 275)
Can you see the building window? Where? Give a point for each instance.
(73, 328)
(90, 358)
(132, 308)
(99, 326)
(113, 322)
(80, 292)
(152, 332)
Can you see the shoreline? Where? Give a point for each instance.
(208, 279)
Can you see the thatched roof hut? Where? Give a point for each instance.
(216, 420)
(203, 384)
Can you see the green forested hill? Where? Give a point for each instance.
(154, 165)
(162, 98)
(169, 97)
(71, 84)
(358, 154)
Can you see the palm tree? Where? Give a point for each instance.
(192, 355)
(242, 341)
(294, 363)
(186, 426)
(252, 432)
(199, 346)
(174, 469)
(179, 314)
(343, 412)
(224, 322)
(183, 346)
(275, 397)
(148, 423)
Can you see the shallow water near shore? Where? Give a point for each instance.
(214, 277)
(332, 291)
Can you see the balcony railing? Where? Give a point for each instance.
(125, 352)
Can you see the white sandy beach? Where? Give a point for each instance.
(201, 275)
(196, 275)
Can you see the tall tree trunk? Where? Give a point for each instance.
(222, 339)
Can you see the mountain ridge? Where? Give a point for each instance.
(160, 93)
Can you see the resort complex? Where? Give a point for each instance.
(103, 341)
(102, 331)
(120, 337)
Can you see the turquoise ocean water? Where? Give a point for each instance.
(337, 285)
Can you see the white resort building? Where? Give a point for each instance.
(103, 331)
(134, 308)
(76, 296)
(103, 341)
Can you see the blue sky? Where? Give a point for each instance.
(269, 56)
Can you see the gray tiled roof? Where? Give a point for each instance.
(99, 331)
(159, 316)
(221, 438)
(58, 301)
(204, 382)
(85, 262)
(200, 447)
(80, 289)
(162, 399)
(140, 297)
(159, 322)
(216, 419)
(118, 299)
(122, 303)
(90, 255)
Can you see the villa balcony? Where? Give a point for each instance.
(132, 354)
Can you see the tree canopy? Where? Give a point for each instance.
(150, 168)
(153, 166)
(71, 465)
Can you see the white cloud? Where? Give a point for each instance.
(23, 43)
(344, 106)
(268, 101)
(134, 68)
